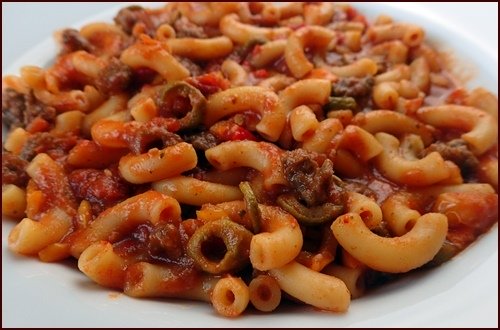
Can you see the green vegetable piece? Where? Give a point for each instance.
(341, 103)
(220, 246)
(311, 216)
(252, 206)
(198, 102)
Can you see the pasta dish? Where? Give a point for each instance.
(245, 154)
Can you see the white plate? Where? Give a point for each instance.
(461, 293)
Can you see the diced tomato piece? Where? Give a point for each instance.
(209, 83)
(230, 131)
(262, 73)
(38, 125)
(475, 210)
(457, 96)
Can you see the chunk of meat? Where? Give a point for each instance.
(313, 183)
(21, 110)
(114, 78)
(164, 240)
(202, 141)
(353, 87)
(72, 41)
(12, 108)
(101, 188)
(154, 133)
(13, 170)
(184, 28)
(193, 68)
(37, 110)
(129, 16)
(56, 146)
(456, 151)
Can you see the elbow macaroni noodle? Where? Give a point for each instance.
(234, 152)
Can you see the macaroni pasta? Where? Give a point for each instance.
(243, 154)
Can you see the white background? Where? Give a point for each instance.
(26, 24)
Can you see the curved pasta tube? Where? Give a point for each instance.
(351, 41)
(291, 9)
(30, 237)
(366, 207)
(102, 265)
(481, 127)
(253, 98)
(15, 140)
(318, 14)
(392, 254)
(421, 172)
(13, 201)
(54, 252)
(201, 49)
(482, 99)
(277, 82)
(393, 123)
(114, 104)
(362, 143)
(116, 221)
(153, 54)
(394, 51)
(66, 101)
(352, 277)
(411, 35)
(49, 174)
(192, 191)
(398, 214)
(267, 53)
(321, 140)
(164, 32)
(262, 156)
(241, 33)
(308, 36)
(230, 296)
(86, 64)
(397, 73)
(144, 279)
(303, 122)
(360, 68)
(420, 74)
(259, 13)
(488, 171)
(22, 86)
(88, 154)
(280, 242)
(385, 95)
(158, 164)
(265, 293)
(234, 72)
(70, 121)
(306, 91)
(209, 13)
(317, 289)
(436, 190)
